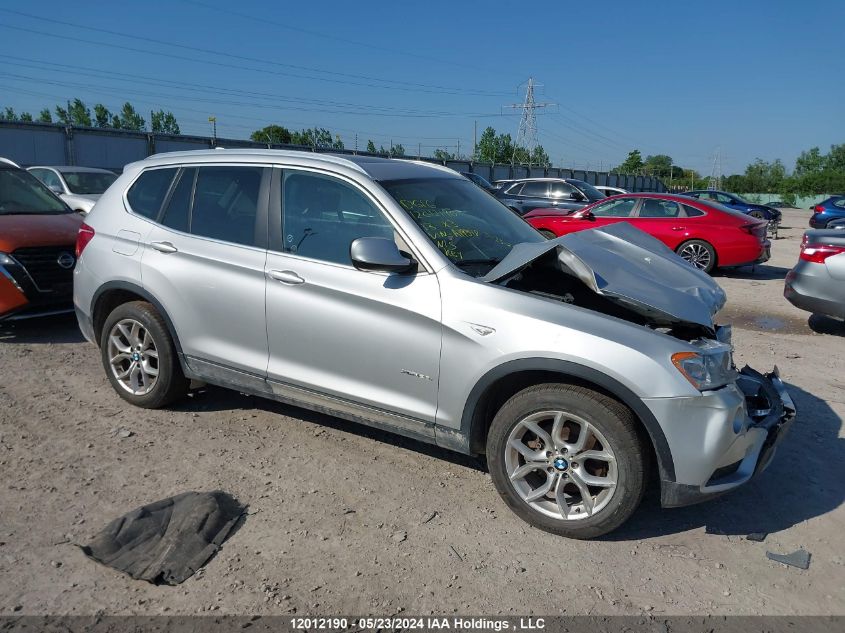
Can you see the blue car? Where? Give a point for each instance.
(829, 214)
(738, 203)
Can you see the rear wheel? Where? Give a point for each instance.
(567, 460)
(698, 253)
(139, 356)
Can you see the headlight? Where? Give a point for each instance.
(5, 259)
(710, 368)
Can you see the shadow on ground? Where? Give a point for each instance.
(826, 325)
(219, 399)
(42, 330)
(761, 272)
(798, 485)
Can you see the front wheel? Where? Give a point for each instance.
(567, 459)
(698, 253)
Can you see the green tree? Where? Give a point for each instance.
(633, 164)
(102, 116)
(540, 157)
(77, 114)
(270, 134)
(26, 116)
(371, 147)
(660, 166)
(130, 119)
(44, 116)
(809, 162)
(316, 137)
(397, 150)
(442, 154)
(8, 114)
(162, 122)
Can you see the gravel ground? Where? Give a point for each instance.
(344, 519)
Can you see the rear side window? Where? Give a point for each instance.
(692, 212)
(147, 193)
(561, 189)
(656, 208)
(534, 189)
(226, 203)
(176, 215)
(840, 203)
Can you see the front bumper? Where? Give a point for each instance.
(721, 442)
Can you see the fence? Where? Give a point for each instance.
(50, 144)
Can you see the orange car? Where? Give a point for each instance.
(37, 242)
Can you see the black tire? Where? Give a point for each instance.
(547, 234)
(613, 420)
(689, 247)
(170, 384)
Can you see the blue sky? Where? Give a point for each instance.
(749, 78)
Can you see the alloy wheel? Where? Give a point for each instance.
(697, 255)
(561, 465)
(133, 357)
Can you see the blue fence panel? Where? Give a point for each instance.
(33, 146)
(108, 152)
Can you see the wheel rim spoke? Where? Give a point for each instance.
(542, 490)
(560, 498)
(586, 495)
(522, 471)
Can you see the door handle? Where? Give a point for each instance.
(164, 247)
(679, 228)
(285, 276)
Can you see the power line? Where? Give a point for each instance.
(362, 111)
(416, 87)
(393, 51)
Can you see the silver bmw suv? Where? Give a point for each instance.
(398, 294)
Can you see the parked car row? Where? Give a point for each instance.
(704, 233)
(400, 295)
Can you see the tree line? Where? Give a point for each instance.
(77, 113)
(814, 173)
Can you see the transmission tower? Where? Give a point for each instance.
(526, 136)
(715, 181)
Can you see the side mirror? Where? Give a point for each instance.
(577, 195)
(588, 215)
(379, 254)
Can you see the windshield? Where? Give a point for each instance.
(21, 193)
(88, 182)
(466, 223)
(593, 194)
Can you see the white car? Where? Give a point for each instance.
(611, 191)
(79, 187)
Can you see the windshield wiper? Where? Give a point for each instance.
(476, 262)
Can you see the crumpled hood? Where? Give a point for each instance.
(630, 267)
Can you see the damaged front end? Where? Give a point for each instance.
(726, 433)
(617, 270)
(723, 457)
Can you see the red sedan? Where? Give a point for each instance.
(706, 234)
